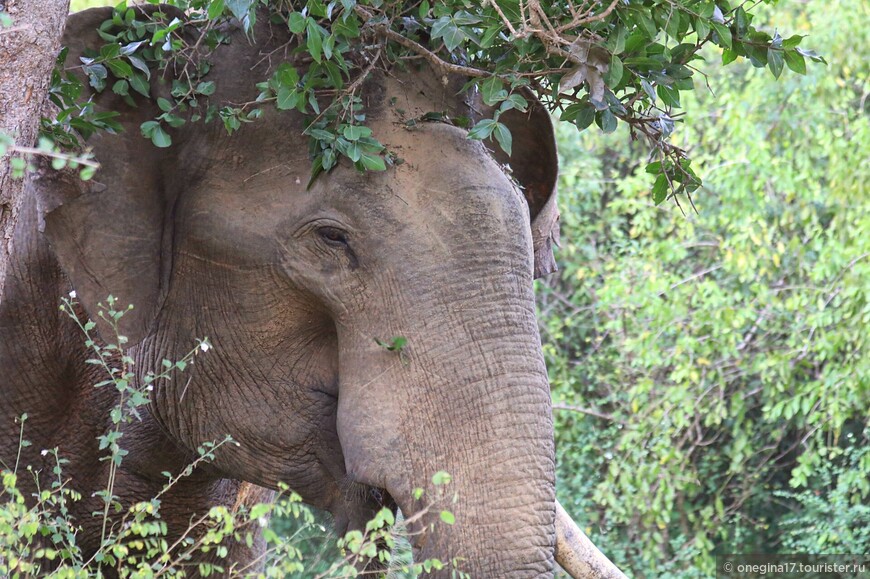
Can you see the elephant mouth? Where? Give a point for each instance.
(358, 504)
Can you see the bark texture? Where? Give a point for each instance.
(27, 53)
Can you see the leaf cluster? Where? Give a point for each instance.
(589, 62)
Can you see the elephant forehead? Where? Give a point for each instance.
(443, 173)
(260, 185)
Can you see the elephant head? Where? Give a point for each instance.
(298, 289)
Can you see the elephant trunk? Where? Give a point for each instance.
(469, 397)
(577, 555)
(496, 443)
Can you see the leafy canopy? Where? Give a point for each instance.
(589, 62)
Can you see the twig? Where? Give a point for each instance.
(693, 277)
(55, 155)
(446, 67)
(587, 19)
(588, 412)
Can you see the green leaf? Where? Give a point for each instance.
(792, 41)
(110, 51)
(215, 9)
(334, 74)
(775, 61)
(614, 73)
(160, 138)
(464, 18)
(348, 28)
(660, 189)
(121, 87)
(646, 23)
(585, 116)
(795, 62)
(648, 89)
(446, 29)
(321, 135)
(130, 48)
(239, 8)
(140, 65)
(702, 27)
(316, 8)
(372, 162)
(315, 40)
(148, 127)
(329, 159)
(296, 22)
(287, 98)
(356, 132)
(453, 37)
(503, 136)
(353, 151)
(723, 33)
(206, 88)
(448, 517)
(616, 40)
(328, 46)
(581, 114)
(140, 85)
(492, 91)
(441, 478)
(517, 102)
(120, 68)
(172, 120)
(260, 510)
(287, 75)
(812, 55)
(164, 104)
(606, 121)
(670, 96)
(482, 129)
(489, 36)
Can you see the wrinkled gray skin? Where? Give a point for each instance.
(217, 236)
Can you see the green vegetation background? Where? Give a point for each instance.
(710, 370)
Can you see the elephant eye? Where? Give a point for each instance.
(333, 236)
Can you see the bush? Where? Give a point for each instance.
(38, 534)
(711, 369)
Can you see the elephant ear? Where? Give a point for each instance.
(535, 166)
(110, 234)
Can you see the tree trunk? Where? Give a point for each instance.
(27, 53)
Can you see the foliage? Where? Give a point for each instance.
(21, 157)
(52, 142)
(829, 515)
(38, 532)
(711, 373)
(604, 62)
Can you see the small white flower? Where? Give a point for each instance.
(73, 294)
(44, 452)
(204, 347)
(149, 388)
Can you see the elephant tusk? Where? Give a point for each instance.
(577, 555)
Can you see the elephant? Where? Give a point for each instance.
(297, 287)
